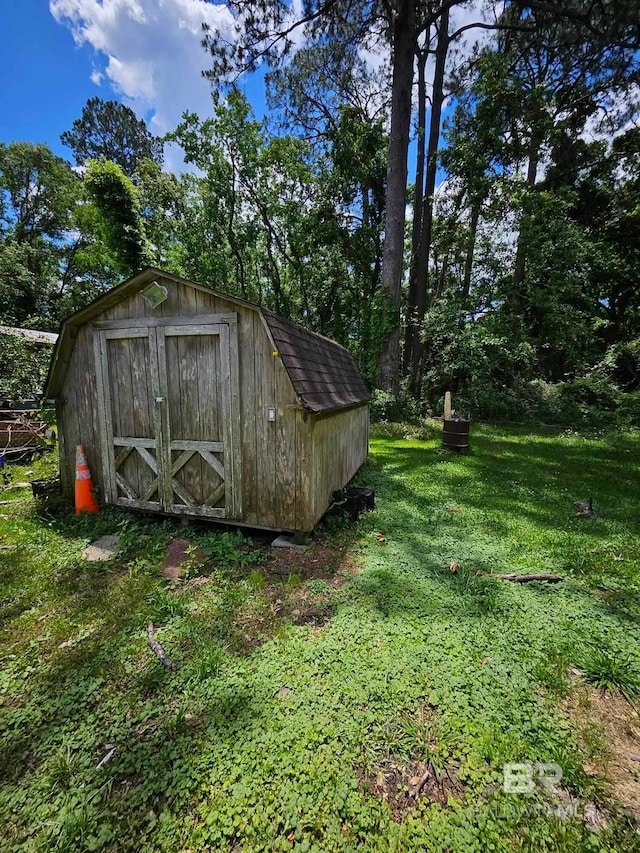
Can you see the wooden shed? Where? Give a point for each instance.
(190, 402)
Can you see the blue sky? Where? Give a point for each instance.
(145, 53)
(44, 78)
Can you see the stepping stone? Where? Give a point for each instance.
(102, 550)
(177, 555)
(287, 542)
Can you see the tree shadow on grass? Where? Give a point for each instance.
(429, 535)
(539, 483)
(157, 722)
(509, 488)
(89, 679)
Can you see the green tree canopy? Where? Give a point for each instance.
(109, 130)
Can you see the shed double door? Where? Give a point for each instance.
(169, 420)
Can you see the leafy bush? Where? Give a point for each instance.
(622, 364)
(422, 431)
(386, 407)
(229, 549)
(587, 401)
(23, 368)
(629, 409)
(497, 373)
(492, 402)
(381, 405)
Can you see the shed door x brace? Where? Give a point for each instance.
(168, 419)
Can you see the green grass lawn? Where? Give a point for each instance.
(276, 735)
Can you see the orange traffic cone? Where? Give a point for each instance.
(85, 498)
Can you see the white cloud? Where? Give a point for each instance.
(151, 51)
(475, 12)
(298, 36)
(618, 112)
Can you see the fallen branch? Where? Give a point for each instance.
(422, 781)
(107, 758)
(157, 649)
(529, 578)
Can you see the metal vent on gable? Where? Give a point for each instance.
(154, 294)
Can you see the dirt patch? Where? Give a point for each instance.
(305, 607)
(315, 562)
(294, 587)
(593, 713)
(404, 784)
(180, 554)
(315, 617)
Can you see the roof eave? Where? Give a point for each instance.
(333, 409)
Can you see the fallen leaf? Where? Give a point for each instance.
(414, 780)
(453, 567)
(456, 509)
(381, 539)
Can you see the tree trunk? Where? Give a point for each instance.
(521, 251)
(366, 205)
(471, 247)
(231, 236)
(442, 275)
(392, 258)
(420, 272)
(418, 194)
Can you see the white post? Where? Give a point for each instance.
(447, 406)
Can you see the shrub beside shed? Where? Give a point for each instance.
(193, 403)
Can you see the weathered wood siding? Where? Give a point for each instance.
(77, 416)
(288, 467)
(339, 446)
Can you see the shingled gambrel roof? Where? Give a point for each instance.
(324, 374)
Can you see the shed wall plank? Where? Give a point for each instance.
(79, 412)
(304, 517)
(285, 448)
(234, 415)
(265, 496)
(340, 447)
(247, 406)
